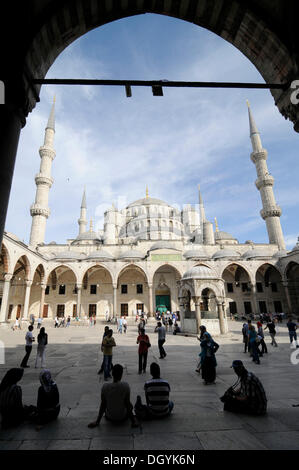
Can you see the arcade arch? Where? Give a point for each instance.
(61, 293)
(97, 292)
(238, 290)
(269, 290)
(132, 292)
(292, 275)
(165, 287)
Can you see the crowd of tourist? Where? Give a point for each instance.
(247, 395)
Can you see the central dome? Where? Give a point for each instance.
(148, 201)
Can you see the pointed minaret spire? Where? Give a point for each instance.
(254, 133)
(271, 212)
(216, 225)
(83, 221)
(43, 180)
(146, 191)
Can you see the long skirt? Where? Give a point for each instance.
(208, 370)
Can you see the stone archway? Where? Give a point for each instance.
(269, 290)
(239, 293)
(292, 275)
(165, 288)
(97, 291)
(61, 294)
(132, 292)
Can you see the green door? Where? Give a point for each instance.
(163, 300)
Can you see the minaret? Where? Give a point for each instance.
(271, 212)
(43, 180)
(201, 214)
(83, 221)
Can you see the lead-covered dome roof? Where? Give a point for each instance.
(200, 272)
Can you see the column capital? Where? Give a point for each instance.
(28, 282)
(79, 286)
(150, 285)
(7, 277)
(196, 299)
(43, 286)
(114, 286)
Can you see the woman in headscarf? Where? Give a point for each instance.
(42, 340)
(11, 406)
(48, 406)
(207, 356)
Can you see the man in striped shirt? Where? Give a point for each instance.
(157, 391)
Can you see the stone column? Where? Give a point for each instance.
(10, 125)
(114, 301)
(26, 301)
(197, 301)
(150, 298)
(42, 300)
(79, 291)
(5, 298)
(221, 318)
(286, 288)
(182, 311)
(255, 306)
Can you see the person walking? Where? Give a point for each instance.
(120, 325)
(260, 332)
(161, 339)
(108, 343)
(125, 324)
(292, 327)
(144, 344)
(245, 333)
(253, 340)
(68, 321)
(39, 323)
(28, 348)
(272, 331)
(56, 322)
(208, 361)
(42, 341)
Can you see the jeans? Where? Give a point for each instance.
(28, 350)
(161, 349)
(293, 336)
(41, 353)
(273, 339)
(264, 347)
(107, 366)
(142, 361)
(254, 350)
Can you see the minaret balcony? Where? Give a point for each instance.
(45, 151)
(266, 180)
(36, 209)
(256, 156)
(42, 179)
(272, 211)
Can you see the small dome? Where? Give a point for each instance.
(196, 254)
(199, 272)
(256, 253)
(131, 254)
(225, 253)
(100, 254)
(68, 255)
(88, 236)
(163, 245)
(223, 236)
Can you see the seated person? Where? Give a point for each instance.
(48, 406)
(12, 410)
(156, 395)
(115, 400)
(177, 329)
(247, 395)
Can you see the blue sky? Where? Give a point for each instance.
(116, 145)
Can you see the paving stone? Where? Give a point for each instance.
(169, 441)
(34, 445)
(112, 443)
(288, 440)
(229, 440)
(9, 445)
(66, 444)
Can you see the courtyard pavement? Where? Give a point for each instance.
(198, 421)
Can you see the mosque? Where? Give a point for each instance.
(149, 254)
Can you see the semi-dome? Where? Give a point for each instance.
(148, 201)
(93, 236)
(100, 254)
(256, 253)
(199, 272)
(163, 245)
(225, 253)
(220, 235)
(131, 254)
(197, 254)
(68, 255)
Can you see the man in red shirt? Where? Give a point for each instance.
(144, 344)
